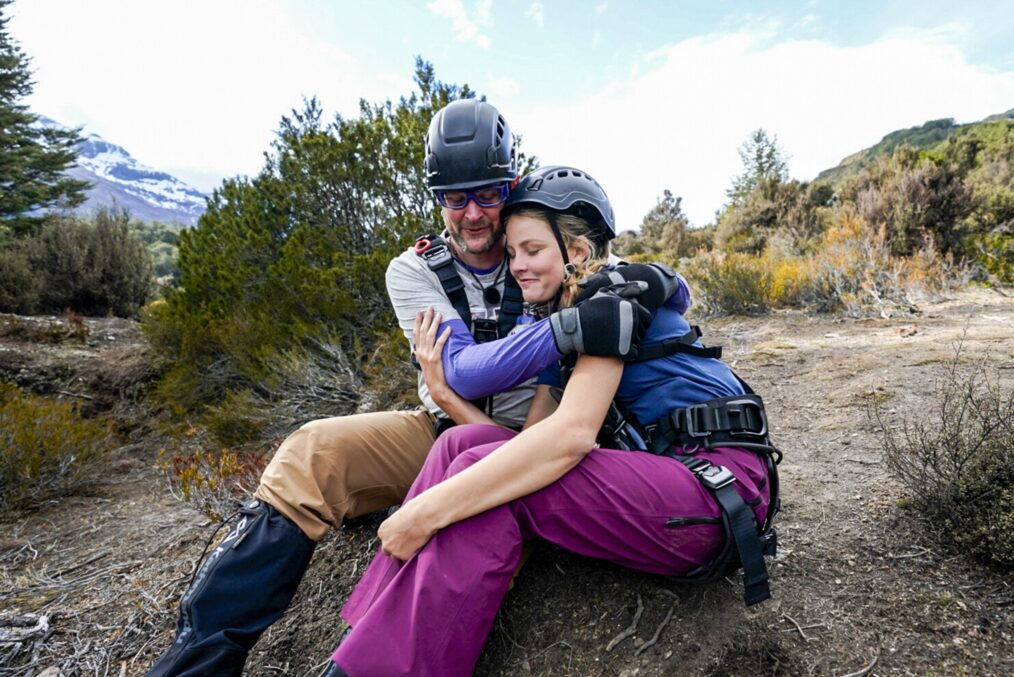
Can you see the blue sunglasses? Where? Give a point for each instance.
(485, 196)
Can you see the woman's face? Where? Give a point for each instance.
(535, 259)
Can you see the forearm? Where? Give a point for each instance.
(536, 458)
(459, 409)
(477, 370)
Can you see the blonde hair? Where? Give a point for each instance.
(576, 233)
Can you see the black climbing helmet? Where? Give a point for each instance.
(565, 190)
(469, 144)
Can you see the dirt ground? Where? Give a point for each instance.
(861, 585)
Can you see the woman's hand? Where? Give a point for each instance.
(429, 349)
(405, 532)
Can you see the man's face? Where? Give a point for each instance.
(475, 229)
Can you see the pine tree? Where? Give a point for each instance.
(32, 158)
(763, 161)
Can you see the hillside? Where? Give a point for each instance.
(923, 137)
(861, 585)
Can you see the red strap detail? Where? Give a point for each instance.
(421, 245)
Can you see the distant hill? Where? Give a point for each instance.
(923, 137)
(121, 181)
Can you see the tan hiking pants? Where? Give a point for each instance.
(346, 466)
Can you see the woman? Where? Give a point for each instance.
(428, 600)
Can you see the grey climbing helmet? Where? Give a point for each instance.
(469, 144)
(565, 190)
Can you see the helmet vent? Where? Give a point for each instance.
(562, 173)
(499, 131)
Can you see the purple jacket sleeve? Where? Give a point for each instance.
(680, 300)
(477, 370)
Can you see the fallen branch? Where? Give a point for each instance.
(658, 631)
(630, 630)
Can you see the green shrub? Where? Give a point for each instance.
(955, 456)
(20, 284)
(46, 449)
(730, 283)
(93, 267)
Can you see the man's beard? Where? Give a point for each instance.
(496, 236)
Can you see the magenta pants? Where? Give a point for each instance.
(431, 614)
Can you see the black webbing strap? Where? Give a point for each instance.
(512, 305)
(435, 252)
(681, 344)
(741, 522)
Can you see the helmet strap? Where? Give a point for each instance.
(551, 217)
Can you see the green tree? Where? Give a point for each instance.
(297, 254)
(32, 158)
(763, 160)
(666, 223)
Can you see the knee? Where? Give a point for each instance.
(455, 441)
(313, 450)
(465, 459)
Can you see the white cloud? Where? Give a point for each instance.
(536, 14)
(466, 29)
(677, 121)
(601, 7)
(198, 93)
(502, 87)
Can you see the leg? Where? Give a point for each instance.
(448, 447)
(345, 467)
(434, 612)
(324, 471)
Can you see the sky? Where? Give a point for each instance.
(644, 96)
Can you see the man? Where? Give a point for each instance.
(342, 467)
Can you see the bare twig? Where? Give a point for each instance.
(658, 631)
(70, 394)
(631, 629)
(919, 551)
(798, 627)
(867, 669)
(82, 564)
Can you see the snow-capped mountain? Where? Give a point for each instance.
(121, 181)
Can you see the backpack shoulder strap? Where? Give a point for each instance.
(434, 251)
(511, 307)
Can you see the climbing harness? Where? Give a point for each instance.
(738, 421)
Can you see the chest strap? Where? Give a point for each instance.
(681, 344)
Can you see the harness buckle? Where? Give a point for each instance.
(714, 477)
(691, 420)
(743, 410)
(435, 254)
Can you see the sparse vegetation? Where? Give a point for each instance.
(213, 481)
(956, 458)
(46, 449)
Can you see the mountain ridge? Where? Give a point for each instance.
(120, 181)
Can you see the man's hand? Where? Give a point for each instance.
(661, 283)
(405, 532)
(608, 323)
(429, 349)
